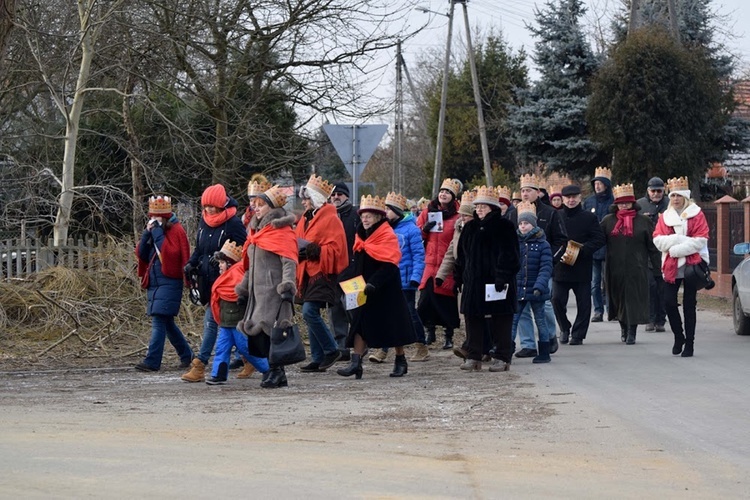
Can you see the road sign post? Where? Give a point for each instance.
(355, 144)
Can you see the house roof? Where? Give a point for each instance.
(742, 97)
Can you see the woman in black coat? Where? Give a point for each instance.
(488, 254)
(384, 319)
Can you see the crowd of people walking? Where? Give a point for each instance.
(503, 263)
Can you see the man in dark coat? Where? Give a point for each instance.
(337, 312)
(599, 203)
(551, 222)
(575, 274)
(654, 203)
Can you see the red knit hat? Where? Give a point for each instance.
(215, 196)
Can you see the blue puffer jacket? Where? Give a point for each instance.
(599, 203)
(536, 266)
(164, 293)
(412, 251)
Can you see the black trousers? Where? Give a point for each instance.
(560, 294)
(689, 301)
(501, 327)
(657, 311)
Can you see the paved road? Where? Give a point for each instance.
(602, 420)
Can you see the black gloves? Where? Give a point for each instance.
(413, 284)
(242, 301)
(369, 289)
(499, 285)
(287, 297)
(313, 251)
(426, 228)
(537, 293)
(189, 269)
(302, 254)
(438, 282)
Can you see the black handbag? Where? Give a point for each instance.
(699, 275)
(286, 343)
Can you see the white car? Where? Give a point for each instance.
(741, 291)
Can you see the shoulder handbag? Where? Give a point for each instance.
(286, 343)
(699, 275)
(145, 276)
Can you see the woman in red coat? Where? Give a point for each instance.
(438, 304)
(682, 237)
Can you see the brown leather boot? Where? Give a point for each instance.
(247, 369)
(197, 372)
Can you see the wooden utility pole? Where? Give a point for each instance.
(397, 176)
(635, 14)
(478, 100)
(673, 21)
(443, 105)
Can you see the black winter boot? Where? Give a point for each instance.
(687, 352)
(679, 341)
(276, 378)
(623, 331)
(400, 367)
(430, 338)
(354, 368)
(543, 356)
(630, 340)
(448, 344)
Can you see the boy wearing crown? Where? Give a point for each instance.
(323, 255)
(228, 309)
(599, 203)
(550, 221)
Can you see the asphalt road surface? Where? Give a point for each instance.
(602, 420)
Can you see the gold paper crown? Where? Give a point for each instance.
(452, 185)
(526, 207)
(257, 186)
(276, 196)
(623, 190)
(555, 190)
(160, 205)
(232, 250)
(530, 181)
(422, 202)
(396, 200)
(603, 172)
(516, 196)
(376, 204)
(503, 192)
(316, 183)
(678, 184)
(467, 198)
(487, 195)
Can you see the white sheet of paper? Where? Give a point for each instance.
(437, 218)
(490, 294)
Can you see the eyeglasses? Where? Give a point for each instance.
(656, 190)
(337, 194)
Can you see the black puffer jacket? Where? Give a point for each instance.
(210, 240)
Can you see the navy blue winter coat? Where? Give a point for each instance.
(210, 240)
(536, 266)
(412, 251)
(599, 203)
(164, 293)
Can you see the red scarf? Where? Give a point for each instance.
(624, 224)
(224, 288)
(279, 240)
(173, 254)
(219, 218)
(381, 245)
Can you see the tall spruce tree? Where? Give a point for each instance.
(550, 126)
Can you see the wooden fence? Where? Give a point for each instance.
(21, 258)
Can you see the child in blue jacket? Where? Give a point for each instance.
(534, 277)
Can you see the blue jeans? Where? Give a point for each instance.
(597, 294)
(321, 338)
(210, 329)
(540, 318)
(526, 327)
(339, 320)
(231, 337)
(164, 327)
